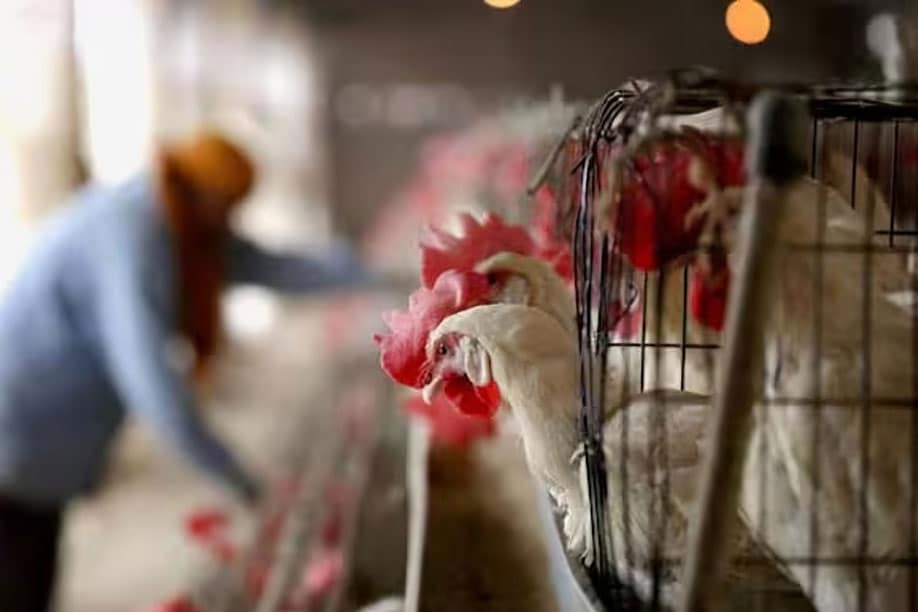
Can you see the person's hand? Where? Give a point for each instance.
(348, 264)
(250, 492)
(367, 276)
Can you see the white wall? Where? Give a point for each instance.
(36, 119)
(114, 50)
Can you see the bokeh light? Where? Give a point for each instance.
(748, 21)
(501, 4)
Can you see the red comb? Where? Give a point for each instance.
(442, 251)
(657, 195)
(550, 246)
(403, 351)
(481, 402)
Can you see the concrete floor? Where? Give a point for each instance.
(124, 548)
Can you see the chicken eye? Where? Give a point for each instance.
(441, 349)
(492, 278)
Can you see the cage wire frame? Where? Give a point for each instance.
(287, 532)
(877, 125)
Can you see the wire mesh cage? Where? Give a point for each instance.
(658, 182)
(301, 552)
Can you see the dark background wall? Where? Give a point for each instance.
(398, 70)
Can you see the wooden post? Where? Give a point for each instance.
(774, 158)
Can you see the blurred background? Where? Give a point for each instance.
(339, 102)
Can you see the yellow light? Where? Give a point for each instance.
(501, 4)
(748, 21)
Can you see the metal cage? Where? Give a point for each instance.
(876, 130)
(317, 503)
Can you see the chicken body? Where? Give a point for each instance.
(532, 359)
(654, 447)
(834, 337)
(533, 362)
(527, 280)
(532, 282)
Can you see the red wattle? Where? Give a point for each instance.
(471, 400)
(449, 426)
(708, 295)
(489, 395)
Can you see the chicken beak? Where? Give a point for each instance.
(429, 392)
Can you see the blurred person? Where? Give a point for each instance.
(87, 328)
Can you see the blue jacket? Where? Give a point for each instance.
(84, 330)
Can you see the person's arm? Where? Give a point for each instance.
(134, 342)
(336, 268)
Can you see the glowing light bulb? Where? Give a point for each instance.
(748, 21)
(501, 4)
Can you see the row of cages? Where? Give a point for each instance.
(657, 180)
(309, 547)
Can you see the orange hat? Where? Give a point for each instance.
(211, 164)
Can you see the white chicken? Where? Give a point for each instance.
(893, 40)
(840, 364)
(532, 360)
(533, 363)
(527, 280)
